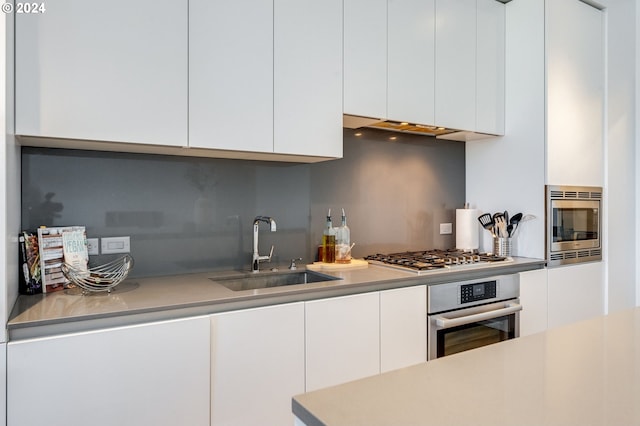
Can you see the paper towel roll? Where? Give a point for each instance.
(467, 229)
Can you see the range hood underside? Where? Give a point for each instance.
(356, 122)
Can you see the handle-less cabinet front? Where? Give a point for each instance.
(403, 327)
(150, 374)
(575, 93)
(365, 58)
(257, 364)
(266, 76)
(307, 83)
(231, 74)
(432, 62)
(342, 339)
(103, 70)
(411, 51)
(247, 79)
(455, 62)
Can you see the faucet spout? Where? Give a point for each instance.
(256, 258)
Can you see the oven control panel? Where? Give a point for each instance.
(477, 291)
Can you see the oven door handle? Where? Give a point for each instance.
(443, 323)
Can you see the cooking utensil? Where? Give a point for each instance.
(487, 222)
(496, 220)
(501, 224)
(513, 223)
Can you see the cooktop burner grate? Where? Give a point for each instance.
(427, 260)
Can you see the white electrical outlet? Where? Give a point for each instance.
(93, 246)
(112, 245)
(446, 228)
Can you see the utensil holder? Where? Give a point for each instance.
(502, 247)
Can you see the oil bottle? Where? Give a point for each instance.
(329, 241)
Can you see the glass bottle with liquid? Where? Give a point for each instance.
(343, 242)
(329, 241)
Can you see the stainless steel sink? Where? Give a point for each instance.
(268, 279)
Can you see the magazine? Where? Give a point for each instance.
(52, 254)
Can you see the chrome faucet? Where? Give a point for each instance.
(255, 262)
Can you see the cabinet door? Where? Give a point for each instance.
(257, 365)
(575, 94)
(342, 339)
(308, 77)
(231, 74)
(490, 67)
(152, 374)
(576, 293)
(455, 54)
(365, 58)
(403, 327)
(111, 71)
(3, 381)
(411, 60)
(533, 297)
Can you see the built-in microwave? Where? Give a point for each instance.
(574, 224)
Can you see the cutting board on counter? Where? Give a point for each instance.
(355, 264)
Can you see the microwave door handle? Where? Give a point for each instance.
(443, 323)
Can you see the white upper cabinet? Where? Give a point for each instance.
(411, 44)
(456, 64)
(266, 76)
(490, 67)
(365, 58)
(389, 53)
(258, 79)
(575, 94)
(470, 62)
(107, 71)
(231, 74)
(308, 77)
(433, 62)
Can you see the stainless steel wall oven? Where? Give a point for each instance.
(471, 314)
(574, 224)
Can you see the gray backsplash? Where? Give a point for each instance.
(195, 214)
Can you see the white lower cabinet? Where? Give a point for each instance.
(151, 374)
(533, 297)
(257, 365)
(342, 339)
(403, 327)
(3, 380)
(576, 293)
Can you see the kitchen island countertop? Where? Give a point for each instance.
(167, 297)
(586, 373)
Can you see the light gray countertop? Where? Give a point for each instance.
(586, 373)
(167, 297)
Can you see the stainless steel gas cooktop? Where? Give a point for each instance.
(425, 261)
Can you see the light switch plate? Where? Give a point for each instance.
(446, 228)
(93, 246)
(113, 245)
